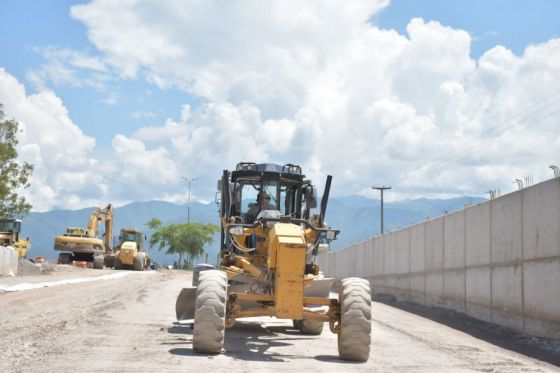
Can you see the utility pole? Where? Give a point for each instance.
(381, 189)
(189, 180)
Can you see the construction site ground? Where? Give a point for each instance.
(127, 324)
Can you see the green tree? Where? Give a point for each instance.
(184, 239)
(13, 176)
(154, 223)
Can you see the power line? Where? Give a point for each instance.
(467, 152)
(436, 163)
(496, 141)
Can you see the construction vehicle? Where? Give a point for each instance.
(9, 236)
(84, 245)
(130, 250)
(266, 264)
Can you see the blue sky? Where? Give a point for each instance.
(27, 25)
(512, 23)
(106, 84)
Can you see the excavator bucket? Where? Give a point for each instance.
(109, 260)
(184, 307)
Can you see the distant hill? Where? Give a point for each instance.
(357, 217)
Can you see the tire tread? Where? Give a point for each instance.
(354, 339)
(210, 312)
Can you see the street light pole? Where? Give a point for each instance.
(381, 189)
(189, 180)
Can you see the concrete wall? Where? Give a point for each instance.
(8, 261)
(498, 261)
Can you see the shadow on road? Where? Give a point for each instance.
(336, 359)
(180, 329)
(251, 341)
(492, 333)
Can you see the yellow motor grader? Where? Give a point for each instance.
(84, 245)
(269, 243)
(9, 236)
(130, 250)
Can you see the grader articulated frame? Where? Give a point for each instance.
(267, 264)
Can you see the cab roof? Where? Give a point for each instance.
(251, 169)
(10, 220)
(130, 229)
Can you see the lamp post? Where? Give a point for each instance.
(381, 189)
(189, 180)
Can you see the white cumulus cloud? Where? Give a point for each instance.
(59, 150)
(314, 83)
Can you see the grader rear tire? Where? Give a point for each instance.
(118, 264)
(310, 327)
(210, 312)
(355, 326)
(138, 264)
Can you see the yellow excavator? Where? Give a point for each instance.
(80, 244)
(9, 236)
(267, 266)
(130, 250)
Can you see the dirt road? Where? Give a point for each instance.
(127, 325)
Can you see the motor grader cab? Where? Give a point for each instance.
(130, 250)
(269, 242)
(79, 244)
(10, 230)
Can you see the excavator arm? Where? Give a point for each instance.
(105, 214)
(93, 222)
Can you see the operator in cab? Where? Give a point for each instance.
(263, 203)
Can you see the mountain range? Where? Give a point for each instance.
(357, 217)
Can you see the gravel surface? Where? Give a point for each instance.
(28, 268)
(541, 348)
(128, 325)
(39, 272)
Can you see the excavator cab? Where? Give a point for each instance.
(132, 235)
(9, 236)
(9, 231)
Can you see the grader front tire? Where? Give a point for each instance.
(210, 312)
(354, 338)
(310, 327)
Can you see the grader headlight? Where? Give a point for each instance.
(236, 231)
(331, 235)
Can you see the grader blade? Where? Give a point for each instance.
(184, 307)
(320, 287)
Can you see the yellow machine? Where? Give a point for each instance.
(267, 264)
(81, 244)
(130, 252)
(9, 236)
